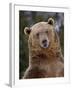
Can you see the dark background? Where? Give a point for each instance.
(27, 19)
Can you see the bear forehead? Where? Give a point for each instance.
(41, 26)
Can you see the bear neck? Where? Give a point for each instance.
(40, 55)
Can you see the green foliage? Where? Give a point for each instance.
(39, 18)
(23, 46)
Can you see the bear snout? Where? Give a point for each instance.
(45, 43)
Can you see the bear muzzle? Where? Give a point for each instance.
(45, 43)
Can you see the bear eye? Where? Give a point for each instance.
(37, 34)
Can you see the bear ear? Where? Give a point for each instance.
(27, 30)
(51, 21)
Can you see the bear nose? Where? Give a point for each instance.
(44, 41)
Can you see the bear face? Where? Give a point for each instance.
(41, 34)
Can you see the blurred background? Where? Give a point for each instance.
(27, 19)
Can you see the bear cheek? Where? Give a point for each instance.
(34, 41)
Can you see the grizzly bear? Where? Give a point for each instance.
(45, 56)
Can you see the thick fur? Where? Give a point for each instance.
(44, 62)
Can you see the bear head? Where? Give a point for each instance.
(42, 34)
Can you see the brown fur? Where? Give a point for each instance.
(43, 62)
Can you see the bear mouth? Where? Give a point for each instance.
(45, 45)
